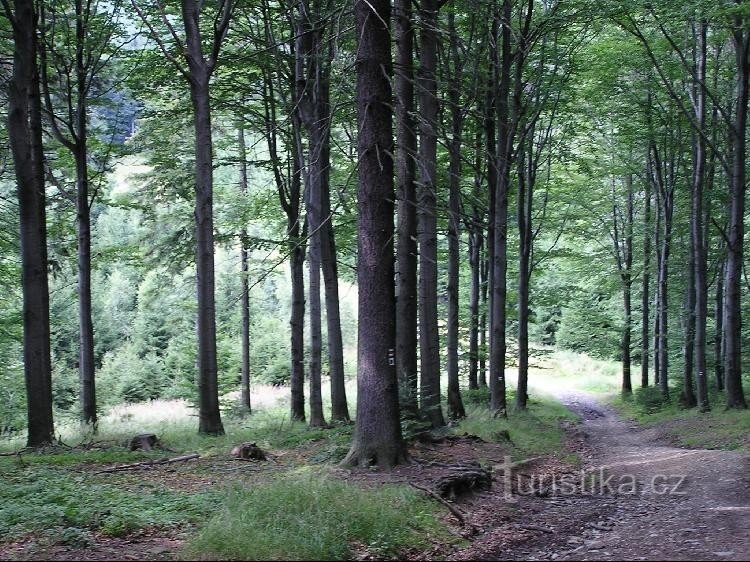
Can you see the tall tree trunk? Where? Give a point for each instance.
(208, 388)
(245, 300)
(697, 230)
(499, 259)
(316, 338)
(657, 292)
(663, 296)
(475, 253)
(83, 215)
(645, 285)
(429, 340)
(377, 436)
(339, 405)
(719, 329)
(688, 393)
(484, 283)
(733, 297)
(406, 253)
(525, 199)
(455, 404)
(25, 135)
(627, 282)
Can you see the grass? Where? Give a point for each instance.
(308, 516)
(533, 432)
(70, 504)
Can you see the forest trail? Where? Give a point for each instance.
(688, 504)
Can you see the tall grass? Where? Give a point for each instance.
(308, 516)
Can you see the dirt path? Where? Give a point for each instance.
(647, 500)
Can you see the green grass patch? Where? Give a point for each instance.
(35, 499)
(718, 429)
(307, 516)
(533, 432)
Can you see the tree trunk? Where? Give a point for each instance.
(525, 198)
(406, 254)
(377, 436)
(245, 300)
(499, 259)
(657, 292)
(25, 136)
(627, 278)
(663, 296)
(475, 252)
(733, 297)
(696, 224)
(688, 393)
(484, 283)
(429, 341)
(455, 404)
(719, 329)
(645, 286)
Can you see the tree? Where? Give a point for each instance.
(377, 436)
(200, 67)
(25, 135)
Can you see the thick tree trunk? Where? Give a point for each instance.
(297, 323)
(733, 297)
(244, 283)
(25, 135)
(316, 337)
(377, 437)
(406, 254)
(429, 340)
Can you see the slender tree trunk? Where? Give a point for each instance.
(688, 393)
(657, 292)
(25, 135)
(245, 300)
(719, 329)
(316, 338)
(484, 283)
(455, 404)
(733, 297)
(525, 198)
(406, 254)
(499, 259)
(696, 224)
(627, 278)
(645, 286)
(663, 296)
(339, 405)
(297, 322)
(475, 252)
(490, 139)
(429, 341)
(83, 215)
(377, 436)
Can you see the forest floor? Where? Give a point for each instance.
(604, 488)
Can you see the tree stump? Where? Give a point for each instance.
(144, 441)
(462, 480)
(249, 451)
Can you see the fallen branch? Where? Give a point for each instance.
(452, 508)
(148, 464)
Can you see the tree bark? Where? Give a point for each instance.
(25, 136)
(244, 282)
(377, 436)
(208, 389)
(525, 198)
(645, 285)
(406, 253)
(719, 329)
(736, 232)
(455, 404)
(688, 393)
(429, 341)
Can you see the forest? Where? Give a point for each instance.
(387, 254)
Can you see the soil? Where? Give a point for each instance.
(635, 496)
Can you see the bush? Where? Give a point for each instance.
(648, 400)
